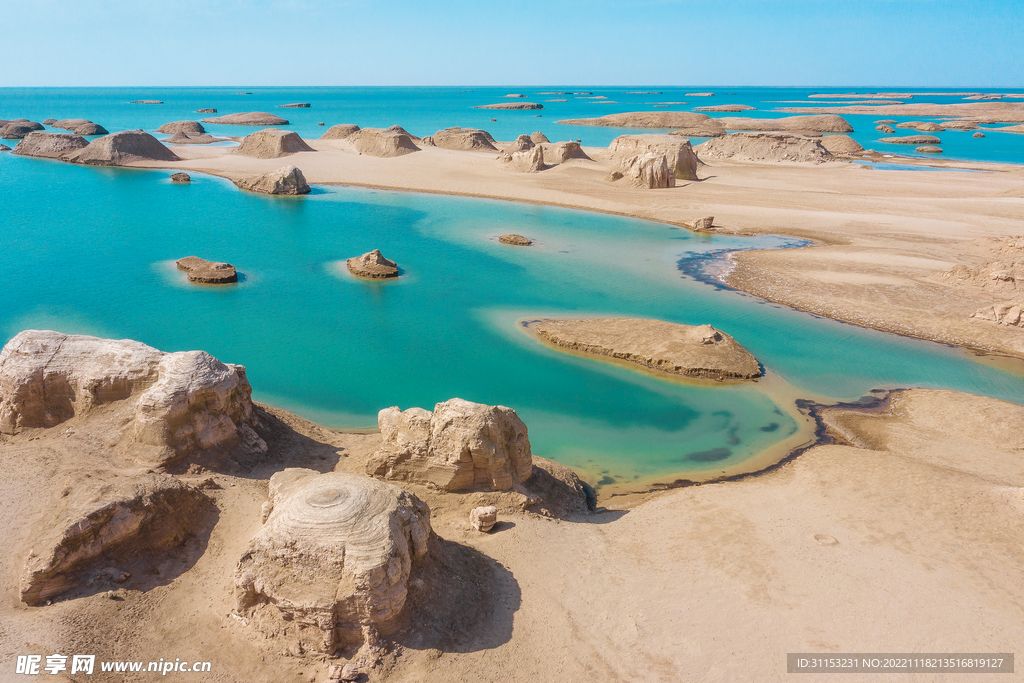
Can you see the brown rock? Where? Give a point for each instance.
(726, 108)
(186, 127)
(16, 130)
(560, 152)
(297, 105)
(205, 272)
(91, 128)
(515, 240)
(484, 518)
(762, 147)
(287, 180)
(702, 224)
(923, 126)
(511, 105)
(678, 152)
(206, 111)
(50, 145)
(928, 149)
(466, 139)
(46, 122)
(252, 118)
(69, 124)
(339, 132)
(121, 149)
(373, 266)
(181, 178)
(539, 137)
(146, 102)
(382, 142)
(648, 170)
(272, 143)
(645, 119)
(886, 121)
(912, 140)
(959, 125)
(4, 148)
(979, 134)
(841, 144)
(889, 130)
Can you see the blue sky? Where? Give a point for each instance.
(553, 42)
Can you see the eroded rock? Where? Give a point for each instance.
(764, 147)
(339, 132)
(382, 142)
(372, 266)
(484, 518)
(252, 118)
(521, 144)
(186, 127)
(515, 240)
(701, 224)
(124, 148)
(181, 178)
(1006, 313)
(649, 170)
(841, 144)
(206, 272)
(560, 152)
(50, 145)
(682, 161)
(272, 143)
(287, 180)
(928, 149)
(465, 139)
(528, 161)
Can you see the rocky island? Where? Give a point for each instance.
(373, 266)
(201, 271)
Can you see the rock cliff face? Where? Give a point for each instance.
(693, 351)
(529, 161)
(460, 446)
(682, 160)
(333, 558)
(186, 127)
(169, 406)
(287, 180)
(765, 147)
(102, 524)
(124, 148)
(50, 145)
(648, 170)
(252, 118)
(465, 139)
(372, 266)
(272, 143)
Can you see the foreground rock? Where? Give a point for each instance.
(460, 446)
(678, 152)
(186, 127)
(511, 105)
(648, 170)
(1006, 313)
(912, 140)
(560, 152)
(484, 518)
(339, 132)
(287, 180)
(50, 145)
(372, 266)
(162, 407)
(465, 139)
(252, 118)
(272, 143)
(124, 148)
(100, 525)
(515, 240)
(841, 144)
(333, 559)
(529, 161)
(206, 272)
(181, 178)
(692, 351)
(764, 147)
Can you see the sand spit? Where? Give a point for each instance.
(692, 351)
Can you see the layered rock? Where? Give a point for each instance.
(16, 130)
(459, 446)
(678, 152)
(186, 127)
(466, 139)
(515, 240)
(287, 180)
(170, 406)
(121, 149)
(912, 140)
(841, 144)
(765, 147)
(648, 170)
(511, 105)
(483, 518)
(252, 118)
(560, 152)
(529, 161)
(272, 143)
(382, 142)
(50, 145)
(339, 132)
(98, 525)
(700, 132)
(693, 351)
(922, 126)
(372, 266)
(201, 271)
(928, 149)
(333, 559)
(521, 144)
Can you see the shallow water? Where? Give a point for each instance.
(91, 250)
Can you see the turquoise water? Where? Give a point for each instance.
(91, 250)
(425, 110)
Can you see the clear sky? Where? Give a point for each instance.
(513, 42)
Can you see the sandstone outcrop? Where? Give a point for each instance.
(959, 125)
(403, 131)
(287, 180)
(818, 123)
(201, 271)
(465, 139)
(678, 152)
(206, 111)
(515, 240)
(887, 121)
(252, 118)
(483, 518)
(333, 558)
(702, 224)
(765, 147)
(912, 140)
(181, 178)
(339, 132)
(297, 105)
(511, 105)
(50, 145)
(726, 108)
(521, 144)
(272, 143)
(889, 130)
(1006, 313)
(841, 144)
(539, 137)
(928, 149)
(372, 266)
(163, 407)
(197, 139)
(979, 134)
(645, 119)
(46, 122)
(91, 129)
(560, 152)
(186, 127)
(648, 170)
(700, 132)
(121, 149)
(922, 126)
(693, 351)
(98, 524)
(382, 142)
(69, 124)
(529, 161)
(16, 130)
(459, 446)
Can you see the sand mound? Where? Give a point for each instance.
(50, 145)
(382, 142)
(287, 180)
(521, 144)
(186, 127)
(460, 446)
(539, 137)
(648, 170)
(174, 405)
(511, 105)
(764, 147)
(912, 140)
(527, 161)
(272, 143)
(206, 272)
(339, 132)
(95, 525)
(252, 118)
(372, 266)
(841, 144)
(645, 119)
(678, 151)
(333, 558)
(466, 139)
(700, 351)
(121, 149)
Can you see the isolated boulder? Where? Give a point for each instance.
(287, 180)
(382, 142)
(483, 518)
(50, 145)
(515, 240)
(912, 140)
(841, 144)
(460, 446)
(252, 118)
(272, 143)
(979, 134)
(169, 406)
(296, 105)
(649, 170)
(181, 178)
(928, 149)
(333, 559)
(16, 130)
(339, 132)
(465, 139)
(201, 271)
(186, 127)
(91, 129)
(682, 161)
(372, 266)
(701, 224)
(121, 149)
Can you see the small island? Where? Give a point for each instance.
(373, 266)
(203, 272)
(515, 240)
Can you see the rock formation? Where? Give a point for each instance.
(181, 178)
(252, 118)
(382, 142)
(102, 524)
(888, 130)
(511, 105)
(928, 149)
(529, 161)
(206, 111)
(484, 518)
(46, 122)
(887, 121)
(146, 102)
(765, 147)
(560, 152)
(50, 145)
(649, 170)
(912, 140)
(702, 224)
(333, 559)
(645, 119)
(726, 108)
(339, 132)
(197, 139)
(372, 266)
(820, 123)
(186, 127)
(922, 126)
(841, 144)
(979, 134)
(678, 152)
(121, 149)
(287, 180)
(1006, 313)
(272, 143)
(205, 272)
(16, 130)
(521, 144)
(515, 240)
(4, 148)
(693, 351)
(959, 125)
(466, 139)
(163, 407)
(539, 137)
(297, 105)
(460, 446)
(700, 132)
(403, 131)
(69, 124)
(91, 129)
